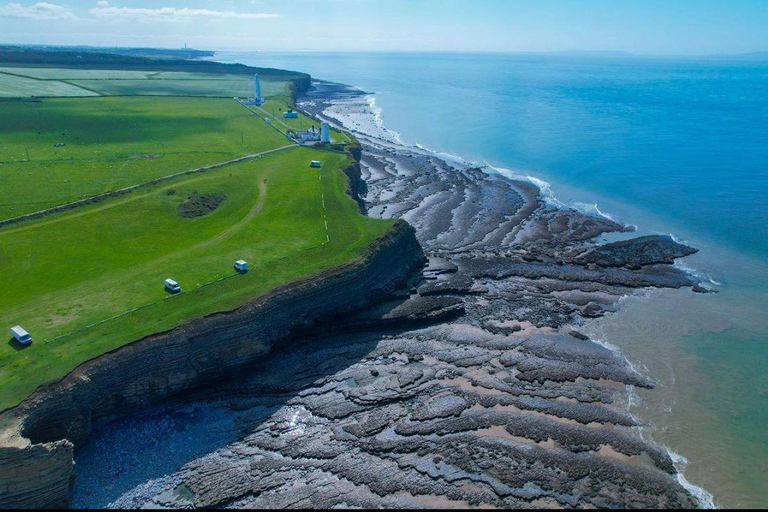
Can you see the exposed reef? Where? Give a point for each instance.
(470, 386)
(473, 388)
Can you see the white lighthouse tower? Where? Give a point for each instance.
(258, 98)
(325, 133)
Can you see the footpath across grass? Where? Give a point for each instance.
(65, 274)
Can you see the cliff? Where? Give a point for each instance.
(38, 436)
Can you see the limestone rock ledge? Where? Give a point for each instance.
(37, 437)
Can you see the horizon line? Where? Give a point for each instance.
(594, 53)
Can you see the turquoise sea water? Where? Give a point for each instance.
(669, 145)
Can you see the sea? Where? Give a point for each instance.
(669, 145)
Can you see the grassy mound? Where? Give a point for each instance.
(198, 204)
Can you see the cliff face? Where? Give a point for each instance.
(35, 476)
(357, 187)
(36, 449)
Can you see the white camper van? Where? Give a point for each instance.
(21, 335)
(172, 286)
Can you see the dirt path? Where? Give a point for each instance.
(245, 220)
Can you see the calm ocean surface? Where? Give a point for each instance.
(669, 145)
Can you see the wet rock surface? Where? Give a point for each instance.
(471, 389)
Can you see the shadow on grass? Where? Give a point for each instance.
(18, 347)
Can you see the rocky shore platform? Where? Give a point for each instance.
(473, 388)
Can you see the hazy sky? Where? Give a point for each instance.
(637, 26)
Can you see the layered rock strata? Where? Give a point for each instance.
(475, 389)
(38, 436)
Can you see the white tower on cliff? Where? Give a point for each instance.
(257, 90)
(325, 133)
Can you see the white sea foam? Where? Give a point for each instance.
(456, 160)
(545, 188)
(378, 119)
(633, 399)
(705, 499)
(548, 194)
(704, 279)
(591, 209)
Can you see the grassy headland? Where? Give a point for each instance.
(89, 280)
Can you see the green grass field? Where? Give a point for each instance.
(223, 88)
(21, 82)
(20, 87)
(75, 74)
(68, 271)
(111, 143)
(89, 280)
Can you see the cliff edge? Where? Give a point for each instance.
(38, 437)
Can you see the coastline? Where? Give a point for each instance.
(378, 130)
(509, 279)
(39, 436)
(497, 384)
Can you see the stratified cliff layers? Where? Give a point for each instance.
(471, 387)
(37, 439)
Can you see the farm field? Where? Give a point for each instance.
(242, 86)
(55, 151)
(65, 272)
(12, 86)
(63, 82)
(75, 73)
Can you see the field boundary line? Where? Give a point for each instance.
(116, 193)
(264, 118)
(29, 77)
(82, 87)
(124, 313)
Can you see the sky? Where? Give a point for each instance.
(659, 27)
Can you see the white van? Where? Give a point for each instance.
(172, 286)
(21, 335)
